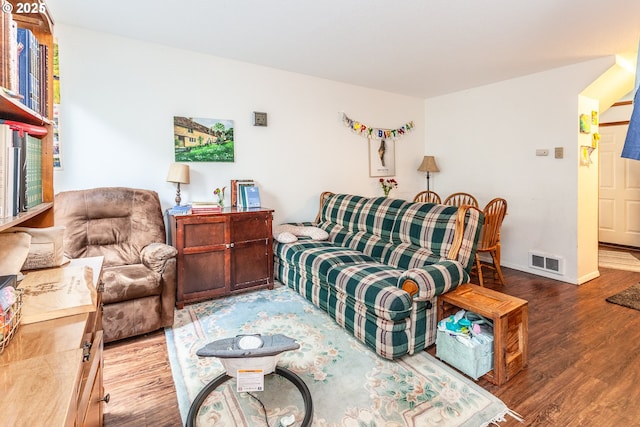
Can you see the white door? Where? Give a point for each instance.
(619, 206)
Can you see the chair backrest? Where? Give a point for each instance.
(494, 213)
(459, 199)
(114, 222)
(427, 196)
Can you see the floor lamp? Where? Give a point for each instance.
(428, 165)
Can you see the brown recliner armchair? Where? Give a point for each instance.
(126, 227)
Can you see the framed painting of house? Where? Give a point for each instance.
(382, 157)
(203, 140)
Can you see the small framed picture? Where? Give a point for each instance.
(382, 157)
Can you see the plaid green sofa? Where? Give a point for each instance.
(383, 266)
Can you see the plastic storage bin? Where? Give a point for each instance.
(472, 355)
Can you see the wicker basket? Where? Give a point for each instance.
(10, 320)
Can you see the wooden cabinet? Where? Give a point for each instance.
(41, 25)
(52, 370)
(222, 253)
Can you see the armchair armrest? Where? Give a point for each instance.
(155, 256)
(429, 281)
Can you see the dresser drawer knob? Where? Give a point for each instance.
(105, 399)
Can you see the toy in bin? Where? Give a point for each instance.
(465, 341)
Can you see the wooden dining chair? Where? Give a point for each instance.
(459, 199)
(427, 197)
(494, 213)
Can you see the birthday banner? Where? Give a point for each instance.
(371, 132)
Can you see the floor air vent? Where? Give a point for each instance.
(546, 262)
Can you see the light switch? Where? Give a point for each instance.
(559, 152)
(259, 119)
(542, 152)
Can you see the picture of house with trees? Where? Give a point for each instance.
(203, 140)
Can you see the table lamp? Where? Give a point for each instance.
(428, 165)
(178, 173)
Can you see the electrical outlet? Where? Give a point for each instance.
(542, 152)
(559, 152)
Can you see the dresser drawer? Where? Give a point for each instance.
(91, 371)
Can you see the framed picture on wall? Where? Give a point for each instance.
(203, 140)
(382, 157)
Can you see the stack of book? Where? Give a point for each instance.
(245, 193)
(24, 65)
(205, 208)
(20, 167)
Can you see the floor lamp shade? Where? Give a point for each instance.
(178, 173)
(428, 165)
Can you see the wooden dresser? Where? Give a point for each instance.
(51, 372)
(222, 253)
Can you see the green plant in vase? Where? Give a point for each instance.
(219, 192)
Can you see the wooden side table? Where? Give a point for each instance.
(510, 325)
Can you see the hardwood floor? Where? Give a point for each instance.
(138, 378)
(584, 361)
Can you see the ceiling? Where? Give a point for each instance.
(421, 48)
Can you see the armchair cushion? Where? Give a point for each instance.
(127, 282)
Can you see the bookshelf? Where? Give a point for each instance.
(40, 23)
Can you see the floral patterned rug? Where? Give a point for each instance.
(350, 385)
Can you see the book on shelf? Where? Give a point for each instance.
(6, 141)
(20, 167)
(33, 171)
(9, 52)
(252, 196)
(28, 66)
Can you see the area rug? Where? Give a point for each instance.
(630, 297)
(350, 385)
(618, 260)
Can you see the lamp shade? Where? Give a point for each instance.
(428, 165)
(179, 173)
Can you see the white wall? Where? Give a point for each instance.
(119, 97)
(485, 140)
(588, 191)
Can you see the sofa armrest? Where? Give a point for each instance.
(155, 256)
(426, 282)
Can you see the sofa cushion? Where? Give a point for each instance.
(374, 246)
(317, 261)
(129, 282)
(427, 225)
(378, 216)
(372, 287)
(287, 251)
(341, 210)
(405, 256)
